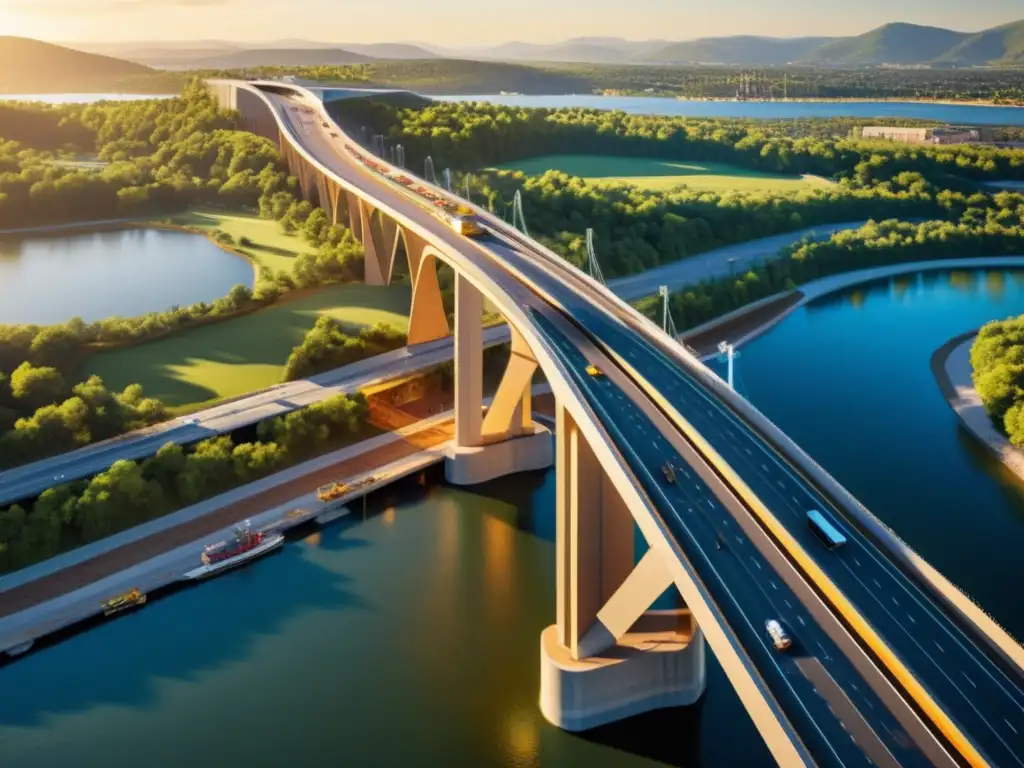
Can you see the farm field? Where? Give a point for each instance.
(651, 173)
(200, 366)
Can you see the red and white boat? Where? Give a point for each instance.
(225, 555)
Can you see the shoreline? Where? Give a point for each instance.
(749, 326)
(951, 367)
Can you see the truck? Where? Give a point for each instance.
(460, 219)
(332, 491)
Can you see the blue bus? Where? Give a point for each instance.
(825, 530)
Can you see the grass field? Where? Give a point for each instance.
(271, 247)
(665, 174)
(244, 354)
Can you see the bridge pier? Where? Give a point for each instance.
(507, 440)
(608, 656)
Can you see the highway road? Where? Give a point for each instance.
(971, 685)
(31, 479)
(743, 587)
(721, 262)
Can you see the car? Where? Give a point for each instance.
(593, 370)
(669, 471)
(191, 421)
(778, 635)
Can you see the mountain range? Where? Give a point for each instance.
(891, 44)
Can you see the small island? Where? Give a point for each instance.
(981, 374)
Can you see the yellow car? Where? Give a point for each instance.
(593, 370)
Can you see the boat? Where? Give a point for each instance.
(20, 648)
(129, 599)
(225, 555)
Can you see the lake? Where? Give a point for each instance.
(410, 636)
(47, 279)
(965, 114)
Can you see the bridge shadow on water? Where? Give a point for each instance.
(182, 634)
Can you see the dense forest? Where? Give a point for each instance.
(997, 357)
(996, 228)
(165, 155)
(454, 76)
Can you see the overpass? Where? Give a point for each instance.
(890, 663)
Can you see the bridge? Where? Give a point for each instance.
(890, 663)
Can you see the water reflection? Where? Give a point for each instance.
(50, 279)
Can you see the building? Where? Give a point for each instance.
(922, 135)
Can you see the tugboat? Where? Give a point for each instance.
(129, 599)
(225, 555)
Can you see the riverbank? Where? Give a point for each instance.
(816, 100)
(49, 596)
(951, 367)
(747, 323)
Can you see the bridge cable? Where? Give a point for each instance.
(593, 265)
(518, 219)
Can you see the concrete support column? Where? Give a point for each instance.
(427, 318)
(469, 363)
(594, 531)
(470, 458)
(608, 656)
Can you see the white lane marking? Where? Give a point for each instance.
(895, 602)
(774, 585)
(801, 620)
(764, 467)
(781, 484)
(1009, 725)
(877, 583)
(749, 452)
(911, 619)
(856, 562)
(756, 563)
(788, 604)
(968, 679)
(939, 646)
(795, 499)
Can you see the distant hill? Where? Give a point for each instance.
(282, 57)
(889, 44)
(1000, 45)
(390, 50)
(741, 50)
(31, 66)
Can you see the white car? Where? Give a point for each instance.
(191, 421)
(778, 635)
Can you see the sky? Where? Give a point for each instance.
(485, 22)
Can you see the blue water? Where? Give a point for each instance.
(965, 114)
(48, 279)
(848, 377)
(411, 637)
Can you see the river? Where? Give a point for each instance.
(958, 114)
(411, 637)
(50, 278)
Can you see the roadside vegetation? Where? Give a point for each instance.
(130, 493)
(165, 157)
(997, 357)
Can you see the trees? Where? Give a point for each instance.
(328, 345)
(131, 492)
(997, 360)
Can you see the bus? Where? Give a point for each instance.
(825, 530)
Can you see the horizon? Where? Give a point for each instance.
(67, 22)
